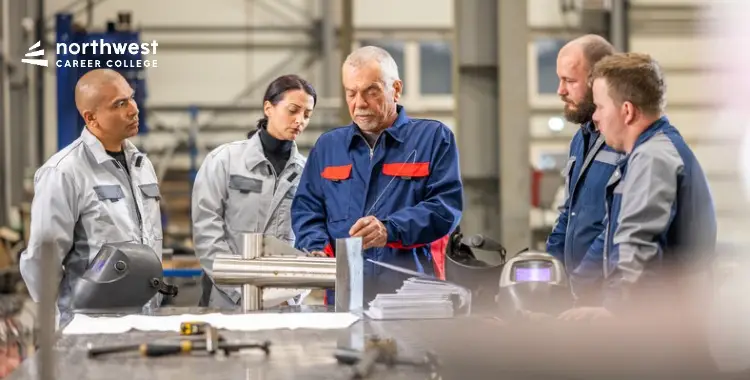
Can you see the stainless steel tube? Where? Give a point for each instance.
(252, 297)
(279, 272)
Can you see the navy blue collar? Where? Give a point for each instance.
(395, 131)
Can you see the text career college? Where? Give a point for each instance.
(110, 63)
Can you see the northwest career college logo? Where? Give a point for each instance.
(35, 61)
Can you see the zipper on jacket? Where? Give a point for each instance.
(605, 250)
(132, 193)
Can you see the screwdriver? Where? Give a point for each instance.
(181, 347)
(146, 349)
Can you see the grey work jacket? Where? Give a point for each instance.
(83, 200)
(236, 191)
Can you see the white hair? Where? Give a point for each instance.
(372, 54)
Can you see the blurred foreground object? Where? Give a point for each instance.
(729, 325)
(17, 318)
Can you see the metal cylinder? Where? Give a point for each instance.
(278, 272)
(252, 296)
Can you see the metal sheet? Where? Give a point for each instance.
(349, 275)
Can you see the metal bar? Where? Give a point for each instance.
(346, 39)
(32, 107)
(90, 14)
(293, 7)
(265, 273)
(204, 29)
(514, 180)
(39, 94)
(349, 276)
(252, 248)
(618, 24)
(7, 156)
(217, 108)
(47, 314)
(224, 46)
(280, 16)
(328, 48)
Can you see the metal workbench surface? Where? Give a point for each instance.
(469, 348)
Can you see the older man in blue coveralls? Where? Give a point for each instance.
(590, 164)
(390, 179)
(661, 224)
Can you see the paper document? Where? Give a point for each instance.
(421, 298)
(83, 324)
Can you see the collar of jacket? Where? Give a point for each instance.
(97, 148)
(396, 131)
(589, 127)
(649, 132)
(254, 155)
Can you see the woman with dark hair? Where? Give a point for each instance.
(247, 186)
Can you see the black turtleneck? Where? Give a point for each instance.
(277, 151)
(120, 157)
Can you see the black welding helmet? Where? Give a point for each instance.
(121, 278)
(533, 282)
(462, 267)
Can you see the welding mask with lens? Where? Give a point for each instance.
(122, 278)
(533, 282)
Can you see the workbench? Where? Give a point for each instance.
(470, 348)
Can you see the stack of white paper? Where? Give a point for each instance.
(421, 298)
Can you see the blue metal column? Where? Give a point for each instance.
(68, 128)
(193, 144)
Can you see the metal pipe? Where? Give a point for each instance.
(204, 29)
(243, 108)
(294, 272)
(47, 313)
(346, 39)
(89, 14)
(32, 143)
(618, 24)
(224, 46)
(252, 297)
(39, 94)
(328, 47)
(8, 157)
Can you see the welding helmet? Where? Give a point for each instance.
(534, 282)
(463, 268)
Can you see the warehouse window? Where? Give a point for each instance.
(396, 50)
(435, 73)
(546, 64)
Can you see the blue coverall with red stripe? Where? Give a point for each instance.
(410, 181)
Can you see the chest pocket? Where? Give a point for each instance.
(337, 185)
(405, 181)
(243, 203)
(113, 216)
(151, 213)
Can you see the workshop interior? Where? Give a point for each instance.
(485, 69)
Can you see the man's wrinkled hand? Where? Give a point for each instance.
(371, 230)
(585, 313)
(317, 254)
